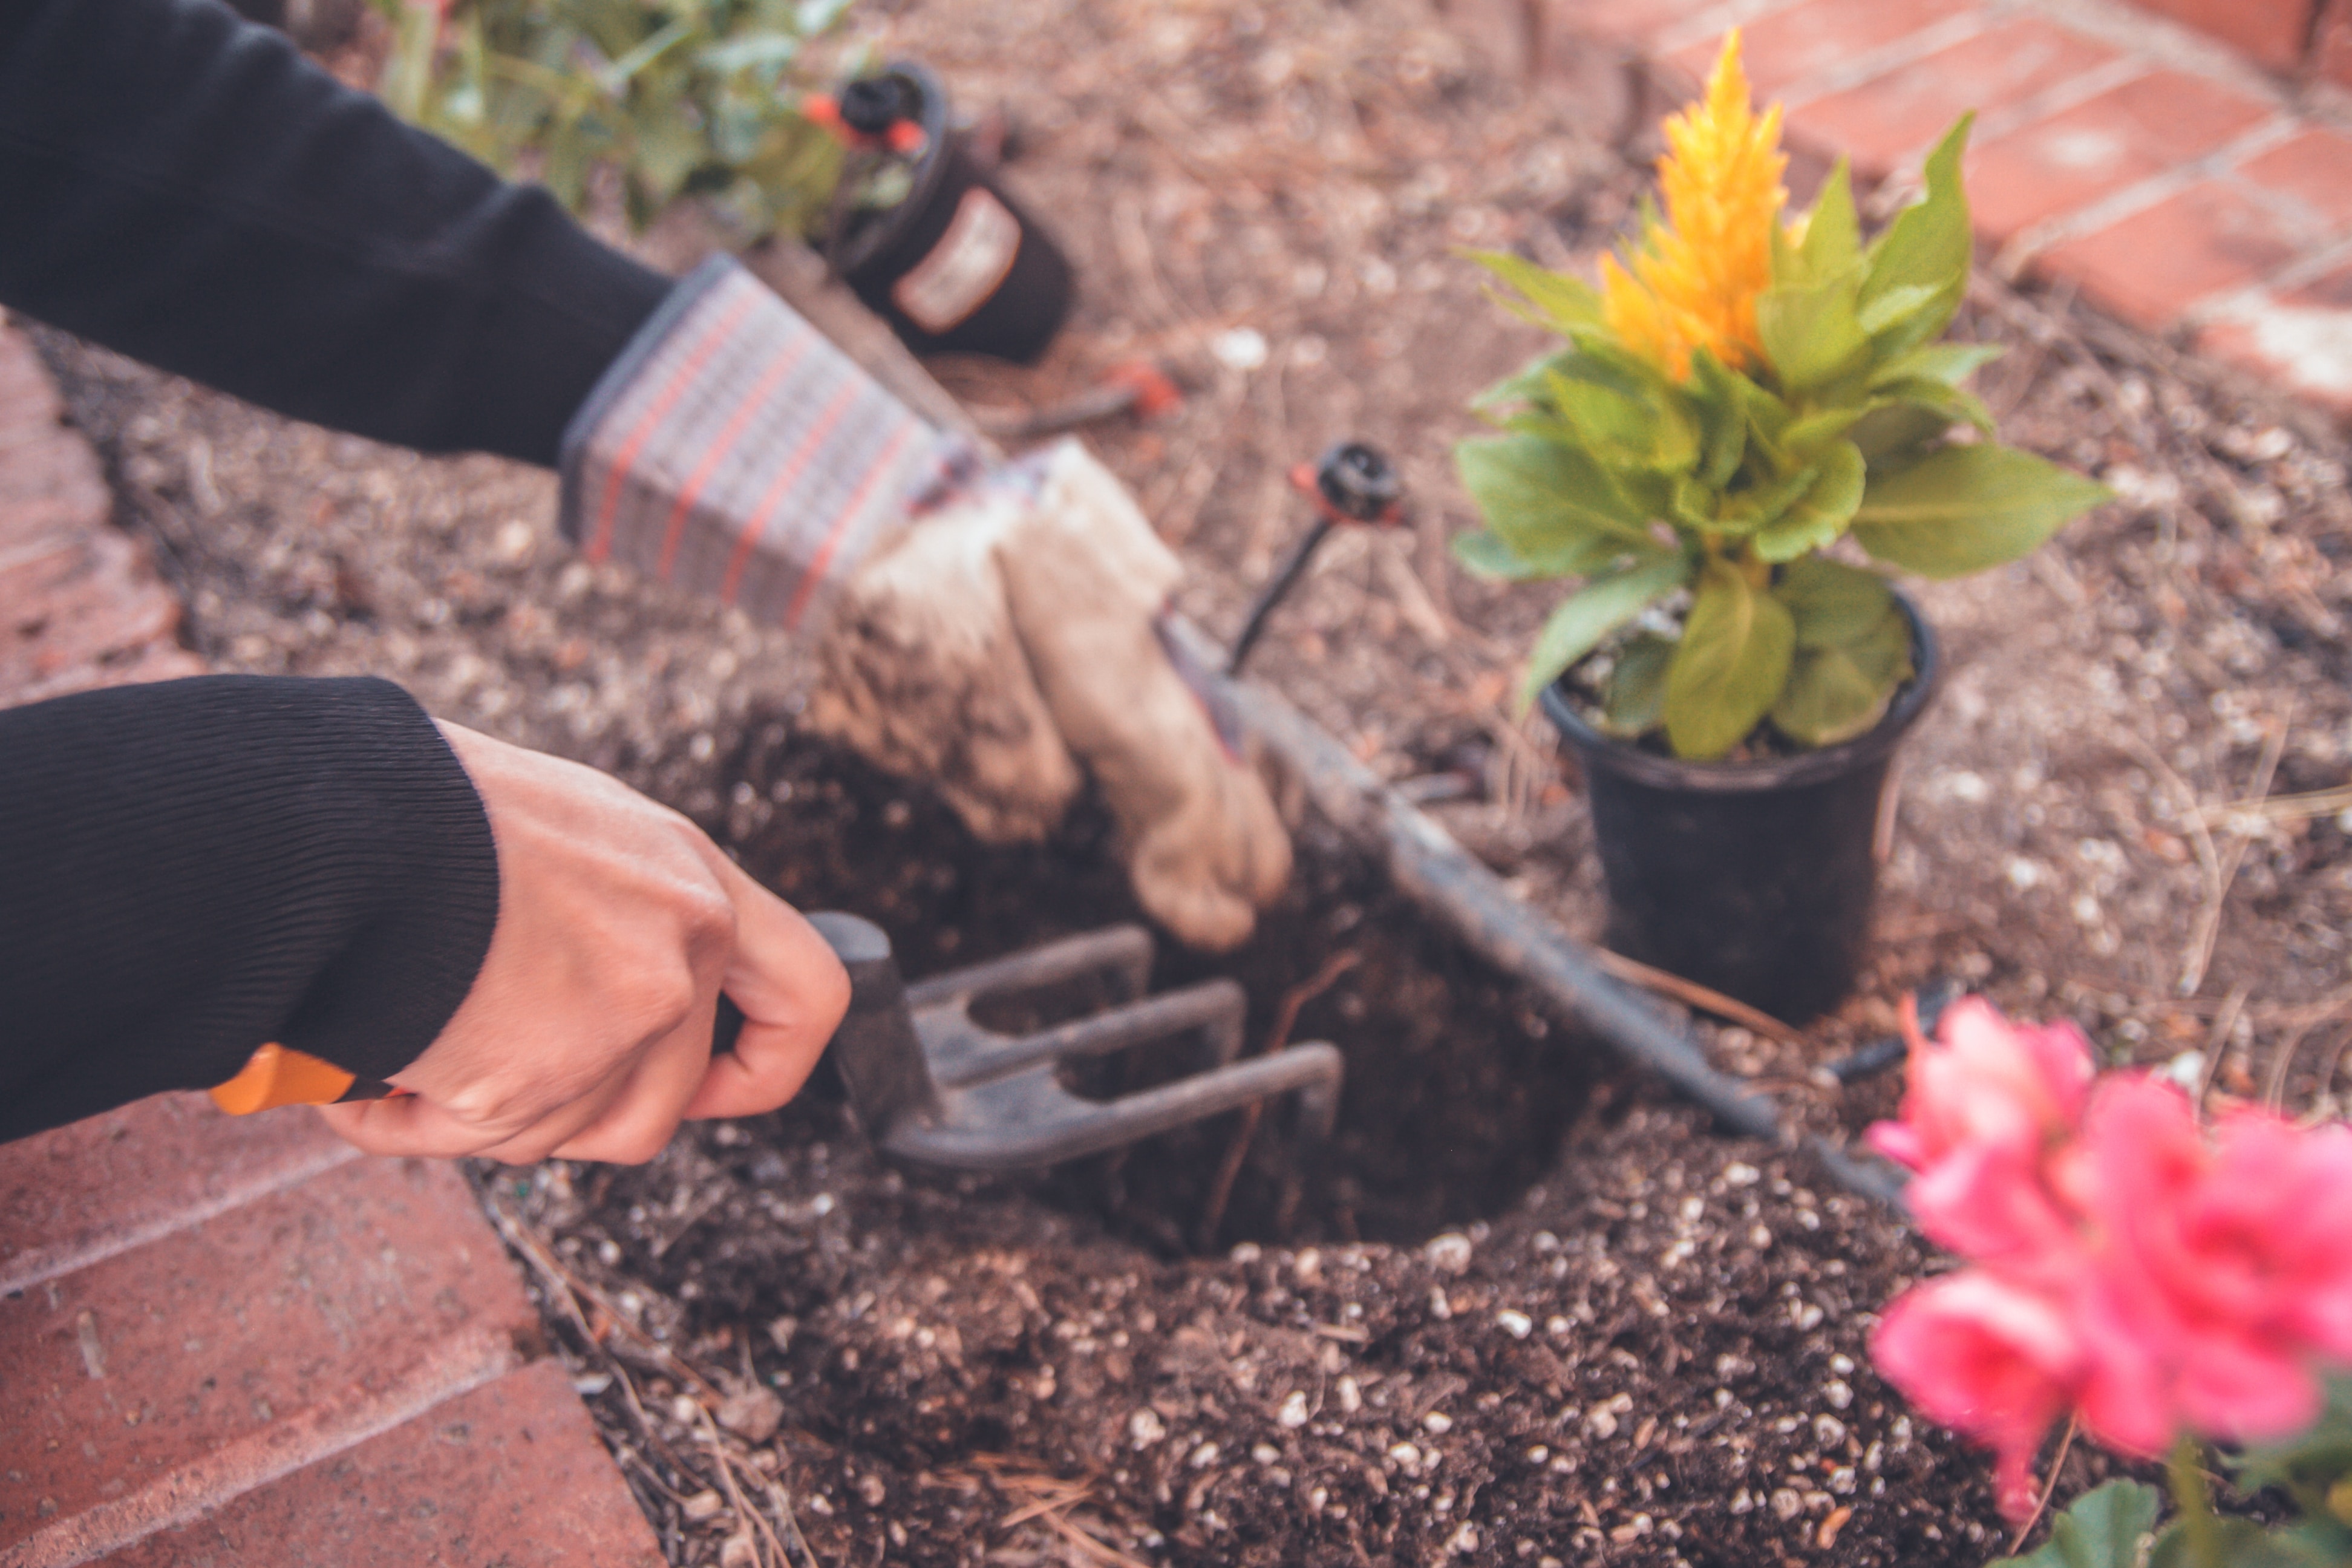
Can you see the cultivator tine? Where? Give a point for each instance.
(932, 1085)
(961, 1052)
(1120, 954)
(1030, 1120)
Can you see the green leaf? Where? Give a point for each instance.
(1561, 303)
(1637, 686)
(1830, 602)
(1963, 509)
(667, 150)
(1487, 555)
(2311, 1464)
(1835, 693)
(2239, 1543)
(1892, 435)
(1722, 411)
(1918, 268)
(1821, 513)
(1895, 305)
(1602, 418)
(1812, 333)
(1729, 667)
(1600, 607)
(1954, 405)
(2101, 1529)
(1832, 235)
(1951, 363)
(1544, 496)
(1524, 385)
(1745, 512)
(1804, 437)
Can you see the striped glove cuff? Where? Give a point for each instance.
(733, 449)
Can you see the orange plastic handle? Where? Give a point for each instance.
(277, 1076)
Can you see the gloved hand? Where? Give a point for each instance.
(990, 628)
(1015, 625)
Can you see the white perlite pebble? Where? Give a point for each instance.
(1519, 1325)
(1449, 1252)
(1145, 1427)
(1293, 1414)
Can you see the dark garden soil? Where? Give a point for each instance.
(1524, 1308)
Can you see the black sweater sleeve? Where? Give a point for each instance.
(190, 868)
(184, 187)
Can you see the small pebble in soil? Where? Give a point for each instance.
(753, 1414)
(1449, 1252)
(1519, 1325)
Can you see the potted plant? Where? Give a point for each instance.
(696, 98)
(1748, 420)
(705, 99)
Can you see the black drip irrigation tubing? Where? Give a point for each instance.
(1458, 890)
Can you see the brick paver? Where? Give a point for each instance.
(82, 1194)
(235, 1341)
(2331, 52)
(1814, 38)
(510, 1474)
(2140, 157)
(2270, 32)
(2123, 137)
(1896, 117)
(2150, 268)
(2301, 334)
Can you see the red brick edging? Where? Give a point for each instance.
(238, 1342)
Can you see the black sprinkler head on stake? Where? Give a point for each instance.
(872, 104)
(1352, 483)
(1359, 483)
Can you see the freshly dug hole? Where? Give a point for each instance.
(1457, 1090)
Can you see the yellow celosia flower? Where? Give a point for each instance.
(1696, 276)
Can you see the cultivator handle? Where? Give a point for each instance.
(932, 1086)
(876, 1048)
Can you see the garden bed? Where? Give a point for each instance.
(1635, 1342)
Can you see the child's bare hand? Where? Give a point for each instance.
(587, 1032)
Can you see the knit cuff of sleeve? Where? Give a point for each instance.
(194, 868)
(733, 449)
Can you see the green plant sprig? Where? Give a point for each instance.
(1731, 484)
(681, 96)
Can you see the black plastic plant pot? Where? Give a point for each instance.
(956, 267)
(1752, 879)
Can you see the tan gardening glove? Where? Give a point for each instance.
(994, 629)
(1014, 630)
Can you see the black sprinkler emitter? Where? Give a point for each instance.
(1354, 482)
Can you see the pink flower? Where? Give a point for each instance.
(1993, 1362)
(1983, 1109)
(1986, 1082)
(2221, 1270)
